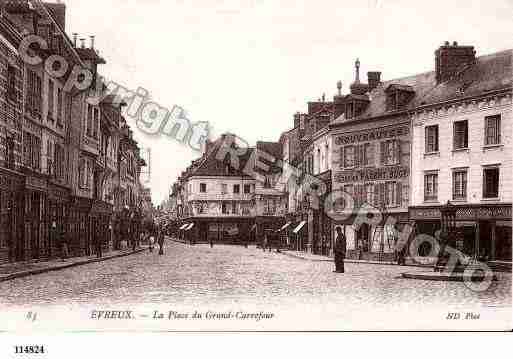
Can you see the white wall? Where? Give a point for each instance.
(476, 157)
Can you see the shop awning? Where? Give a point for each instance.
(183, 226)
(299, 227)
(285, 226)
(189, 227)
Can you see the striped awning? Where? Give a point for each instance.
(285, 226)
(299, 227)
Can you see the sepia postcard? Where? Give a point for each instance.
(255, 166)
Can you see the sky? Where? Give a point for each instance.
(246, 66)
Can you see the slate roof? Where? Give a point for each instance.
(209, 165)
(89, 54)
(489, 73)
(275, 149)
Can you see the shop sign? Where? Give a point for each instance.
(36, 183)
(58, 194)
(372, 135)
(372, 174)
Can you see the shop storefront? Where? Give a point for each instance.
(101, 215)
(484, 231)
(12, 208)
(57, 212)
(231, 230)
(36, 227)
(267, 224)
(374, 242)
(81, 243)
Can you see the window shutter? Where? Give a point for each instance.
(357, 157)
(465, 133)
(382, 152)
(406, 194)
(376, 195)
(399, 194)
(398, 149)
(498, 129)
(456, 135)
(427, 140)
(370, 155)
(342, 158)
(358, 195)
(436, 138)
(383, 194)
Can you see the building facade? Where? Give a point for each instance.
(217, 200)
(462, 151)
(59, 152)
(12, 180)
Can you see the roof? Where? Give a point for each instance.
(400, 87)
(489, 73)
(275, 149)
(209, 165)
(86, 53)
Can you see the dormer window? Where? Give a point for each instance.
(398, 96)
(349, 110)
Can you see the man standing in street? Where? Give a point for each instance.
(340, 250)
(161, 242)
(64, 245)
(98, 243)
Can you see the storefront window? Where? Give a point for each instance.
(503, 235)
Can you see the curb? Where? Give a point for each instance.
(355, 261)
(12, 276)
(449, 277)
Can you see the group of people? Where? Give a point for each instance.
(339, 249)
(157, 236)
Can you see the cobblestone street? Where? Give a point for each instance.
(228, 274)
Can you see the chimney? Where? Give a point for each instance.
(82, 43)
(339, 88)
(338, 101)
(208, 146)
(302, 122)
(374, 78)
(449, 59)
(357, 88)
(297, 119)
(75, 38)
(92, 41)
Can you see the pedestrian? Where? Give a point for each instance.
(277, 241)
(265, 241)
(161, 243)
(401, 256)
(64, 246)
(152, 242)
(340, 250)
(98, 244)
(134, 241)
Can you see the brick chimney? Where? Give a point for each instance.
(374, 78)
(449, 59)
(297, 119)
